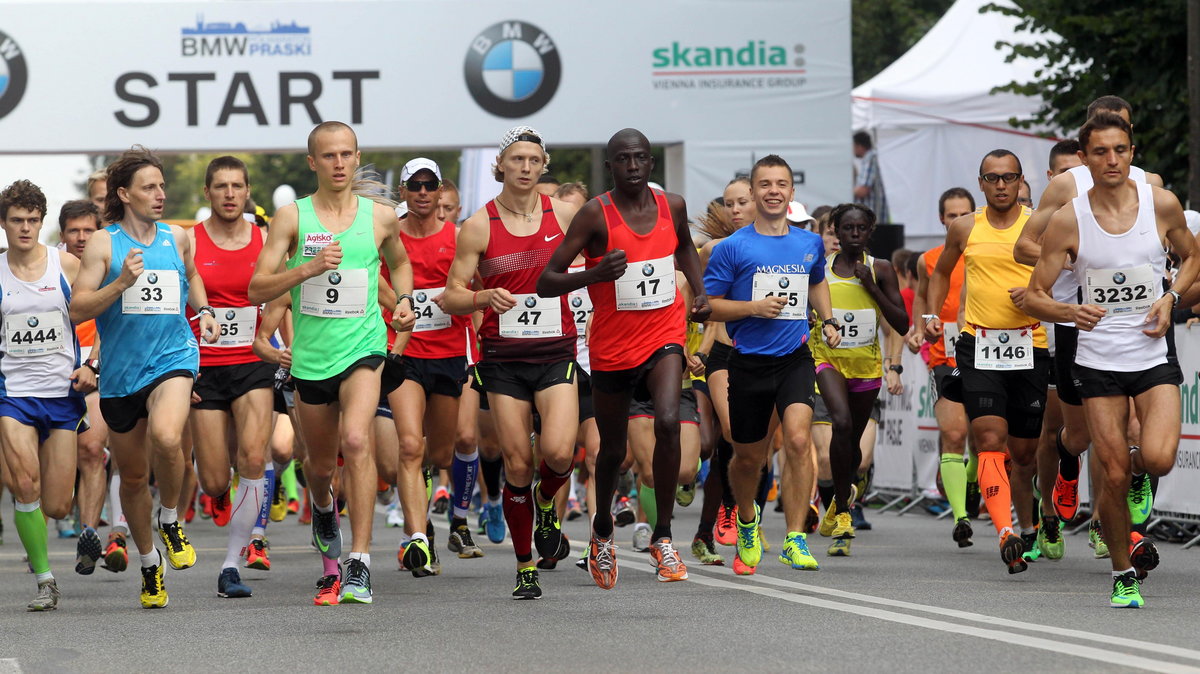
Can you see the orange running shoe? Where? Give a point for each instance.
(116, 556)
(740, 568)
(306, 514)
(256, 555)
(602, 562)
(221, 509)
(1066, 498)
(773, 493)
(329, 591)
(293, 506)
(725, 531)
(1143, 554)
(666, 559)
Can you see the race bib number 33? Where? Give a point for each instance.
(340, 293)
(156, 291)
(534, 316)
(793, 288)
(1004, 349)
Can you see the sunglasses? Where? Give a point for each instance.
(997, 177)
(416, 185)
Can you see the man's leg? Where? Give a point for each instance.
(318, 435)
(663, 381)
(210, 438)
(612, 422)
(168, 406)
(408, 412)
(93, 486)
(558, 406)
(252, 422)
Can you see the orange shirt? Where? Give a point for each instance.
(949, 311)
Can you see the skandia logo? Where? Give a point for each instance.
(13, 74)
(225, 39)
(754, 64)
(754, 54)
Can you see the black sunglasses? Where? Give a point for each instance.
(416, 185)
(1008, 178)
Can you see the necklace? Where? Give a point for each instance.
(528, 216)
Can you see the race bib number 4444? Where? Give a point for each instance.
(793, 288)
(34, 334)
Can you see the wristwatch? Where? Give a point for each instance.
(93, 364)
(831, 321)
(898, 369)
(1175, 294)
(212, 313)
(411, 303)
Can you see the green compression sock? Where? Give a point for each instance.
(954, 479)
(649, 505)
(972, 466)
(289, 482)
(31, 527)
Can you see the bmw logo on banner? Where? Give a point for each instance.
(512, 69)
(13, 74)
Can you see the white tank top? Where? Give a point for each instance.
(1065, 288)
(580, 303)
(38, 351)
(1122, 273)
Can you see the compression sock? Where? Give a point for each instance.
(646, 496)
(464, 471)
(997, 496)
(114, 503)
(1068, 465)
(289, 481)
(31, 527)
(270, 479)
(972, 465)
(724, 454)
(490, 469)
(248, 506)
(518, 512)
(330, 567)
(825, 491)
(550, 482)
(954, 480)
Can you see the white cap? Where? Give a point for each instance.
(797, 213)
(521, 133)
(653, 185)
(1193, 221)
(401, 209)
(420, 164)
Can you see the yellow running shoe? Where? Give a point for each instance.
(843, 533)
(180, 552)
(749, 540)
(828, 522)
(154, 592)
(795, 552)
(279, 505)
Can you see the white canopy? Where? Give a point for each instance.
(934, 117)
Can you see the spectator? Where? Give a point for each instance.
(868, 184)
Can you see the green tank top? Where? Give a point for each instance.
(336, 315)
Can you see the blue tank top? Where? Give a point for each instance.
(137, 348)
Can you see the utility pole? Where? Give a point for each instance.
(1193, 76)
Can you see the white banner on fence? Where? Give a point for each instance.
(1177, 491)
(896, 442)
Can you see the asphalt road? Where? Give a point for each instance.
(908, 600)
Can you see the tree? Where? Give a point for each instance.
(1133, 50)
(882, 30)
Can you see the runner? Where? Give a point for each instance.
(1002, 360)
(761, 280)
(332, 243)
(527, 340)
(234, 385)
(41, 382)
(633, 238)
(449, 204)
(134, 278)
(1121, 351)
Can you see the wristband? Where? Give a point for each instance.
(411, 303)
(93, 364)
(1175, 294)
(206, 309)
(898, 369)
(830, 321)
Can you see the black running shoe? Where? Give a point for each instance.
(1143, 555)
(963, 533)
(327, 536)
(564, 551)
(527, 585)
(547, 531)
(87, 550)
(1012, 551)
(973, 498)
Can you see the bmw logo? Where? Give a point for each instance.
(647, 269)
(152, 278)
(1118, 278)
(530, 302)
(13, 74)
(334, 278)
(421, 296)
(577, 302)
(512, 69)
(229, 314)
(784, 282)
(32, 322)
(1004, 338)
(849, 317)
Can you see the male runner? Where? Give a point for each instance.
(762, 279)
(97, 188)
(527, 340)
(133, 279)
(41, 382)
(1116, 235)
(449, 203)
(332, 243)
(1001, 354)
(633, 238)
(234, 385)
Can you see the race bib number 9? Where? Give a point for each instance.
(857, 327)
(429, 315)
(534, 316)
(793, 288)
(649, 284)
(1123, 291)
(1004, 349)
(156, 291)
(237, 326)
(340, 293)
(34, 334)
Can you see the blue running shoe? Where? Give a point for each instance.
(493, 516)
(230, 584)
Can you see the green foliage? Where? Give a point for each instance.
(1133, 50)
(882, 30)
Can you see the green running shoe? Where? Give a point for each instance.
(1140, 498)
(357, 586)
(685, 494)
(1049, 539)
(749, 540)
(1126, 592)
(1032, 553)
(795, 552)
(1096, 540)
(705, 552)
(527, 585)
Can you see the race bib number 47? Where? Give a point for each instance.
(534, 316)
(793, 288)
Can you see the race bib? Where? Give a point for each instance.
(534, 316)
(580, 304)
(237, 326)
(314, 242)
(950, 335)
(1123, 291)
(1004, 349)
(793, 288)
(340, 293)
(34, 334)
(156, 291)
(649, 284)
(857, 327)
(429, 315)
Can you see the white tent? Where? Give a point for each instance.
(933, 115)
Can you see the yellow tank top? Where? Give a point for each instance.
(859, 316)
(695, 334)
(990, 272)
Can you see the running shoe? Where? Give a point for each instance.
(205, 506)
(1096, 540)
(116, 556)
(856, 516)
(460, 541)
(843, 534)
(602, 562)
(795, 552)
(279, 503)
(812, 519)
(87, 550)
(47, 597)
(415, 557)
(293, 506)
(256, 555)
(685, 494)
(395, 516)
(666, 560)
(773, 492)
(305, 514)
(357, 586)
(1143, 554)
(154, 593)
(494, 516)
(829, 522)
(527, 584)
(725, 530)
(582, 562)
(574, 512)
(963, 533)
(66, 528)
(1140, 498)
(1126, 592)
(1032, 551)
(1049, 538)
(705, 552)
(190, 513)
(222, 509)
(740, 568)
(974, 497)
(1066, 497)
(326, 534)
(547, 531)
(441, 501)
(230, 585)
(1012, 552)
(329, 591)
(549, 563)
(623, 514)
(180, 552)
(641, 537)
(749, 540)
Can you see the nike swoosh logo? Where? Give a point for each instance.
(551, 238)
(321, 544)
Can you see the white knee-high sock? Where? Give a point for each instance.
(246, 504)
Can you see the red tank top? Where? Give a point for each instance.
(539, 330)
(436, 334)
(226, 275)
(627, 337)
